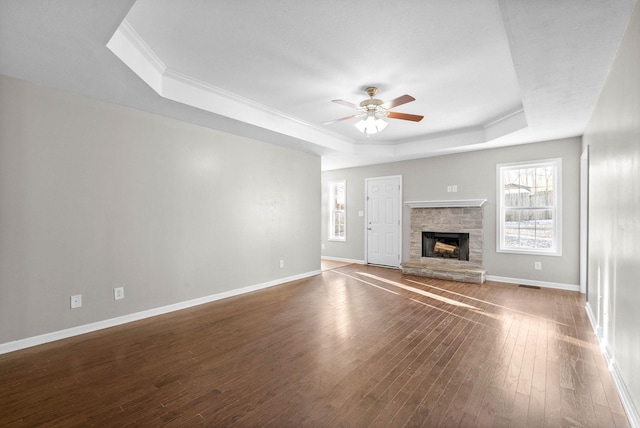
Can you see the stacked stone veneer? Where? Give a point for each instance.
(447, 220)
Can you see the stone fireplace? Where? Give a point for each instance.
(446, 240)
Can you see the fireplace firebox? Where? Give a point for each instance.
(445, 245)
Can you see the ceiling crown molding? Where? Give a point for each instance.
(134, 52)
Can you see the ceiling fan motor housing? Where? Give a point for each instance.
(372, 103)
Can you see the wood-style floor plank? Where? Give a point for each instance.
(355, 346)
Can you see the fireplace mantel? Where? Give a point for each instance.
(447, 204)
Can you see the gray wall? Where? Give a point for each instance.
(94, 195)
(613, 138)
(475, 175)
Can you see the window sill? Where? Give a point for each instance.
(531, 252)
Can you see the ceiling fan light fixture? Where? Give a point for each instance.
(371, 125)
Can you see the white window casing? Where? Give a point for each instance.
(338, 210)
(529, 207)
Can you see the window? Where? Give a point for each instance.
(337, 211)
(529, 207)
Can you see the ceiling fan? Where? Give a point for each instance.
(373, 110)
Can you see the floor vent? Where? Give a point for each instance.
(533, 287)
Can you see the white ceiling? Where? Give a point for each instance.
(485, 73)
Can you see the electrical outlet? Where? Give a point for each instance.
(454, 187)
(537, 265)
(449, 189)
(322, 246)
(118, 293)
(281, 263)
(76, 301)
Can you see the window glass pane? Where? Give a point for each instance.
(338, 201)
(529, 187)
(338, 224)
(337, 210)
(512, 229)
(544, 229)
(528, 229)
(520, 229)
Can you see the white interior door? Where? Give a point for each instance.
(383, 220)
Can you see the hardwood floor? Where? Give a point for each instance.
(354, 346)
(326, 264)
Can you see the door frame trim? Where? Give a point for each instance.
(584, 222)
(366, 217)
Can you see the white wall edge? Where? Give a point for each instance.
(545, 284)
(339, 259)
(627, 403)
(28, 342)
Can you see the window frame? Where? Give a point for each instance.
(332, 195)
(556, 207)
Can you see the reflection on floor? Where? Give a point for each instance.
(331, 264)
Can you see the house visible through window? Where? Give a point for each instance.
(337, 211)
(529, 207)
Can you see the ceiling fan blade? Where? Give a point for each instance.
(404, 116)
(345, 103)
(341, 119)
(397, 101)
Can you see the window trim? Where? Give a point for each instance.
(332, 187)
(556, 249)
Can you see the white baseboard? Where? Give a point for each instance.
(338, 259)
(625, 397)
(545, 284)
(623, 393)
(112, 322)
(592, 319)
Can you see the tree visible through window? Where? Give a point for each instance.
(337, 211)
(529, 207)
